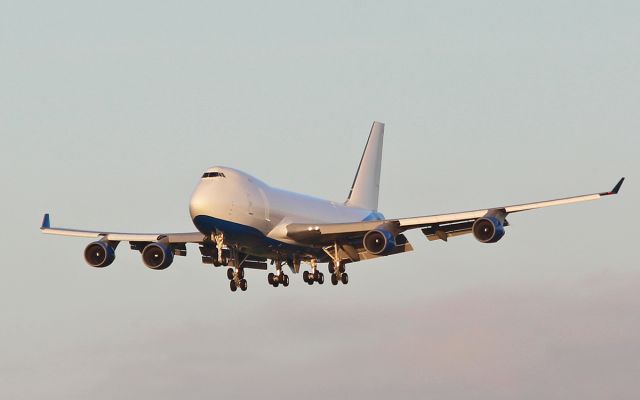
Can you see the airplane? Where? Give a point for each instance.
(244, 223)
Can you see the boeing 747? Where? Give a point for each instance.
(243, 223)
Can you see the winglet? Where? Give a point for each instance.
(46, 223)
(615, 189)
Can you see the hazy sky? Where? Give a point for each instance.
(110, 111)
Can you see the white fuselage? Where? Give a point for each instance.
(231, 196)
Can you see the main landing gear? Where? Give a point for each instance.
(314, 275)
(338, 273)
(235, 274)
(279, 277)
(236, 279)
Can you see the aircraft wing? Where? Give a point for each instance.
(189, 237)
(441, 226)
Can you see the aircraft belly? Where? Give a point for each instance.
(249, 239)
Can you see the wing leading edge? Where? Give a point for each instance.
(457, 223)
(189, 237)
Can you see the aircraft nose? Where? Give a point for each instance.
(198, 202)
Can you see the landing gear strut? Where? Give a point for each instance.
(314, 275)
(222, 258)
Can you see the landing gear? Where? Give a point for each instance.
(222, 258)
(314, 275)
(236, 279)
(336, 265)
(235, 274)
(339, 276)
(279, 277)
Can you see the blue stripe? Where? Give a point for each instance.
(249, 237)
(374, 216)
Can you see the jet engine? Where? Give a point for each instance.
(488, 229)
(157, 255)
(99, 254)
(379, 241)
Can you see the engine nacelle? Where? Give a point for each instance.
(99, 254)
(488, 229)
(157, 255)
(379, 241)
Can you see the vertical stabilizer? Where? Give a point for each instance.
(366, 184)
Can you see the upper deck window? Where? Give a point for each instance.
(213, 174)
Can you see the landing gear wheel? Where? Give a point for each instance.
(344, 278)
(216, 263)
(285, 282)
(341, 268)
(305, 276)
(334, 279)
(233, 286)
(270, 278)
(230, 274)
(243, 285)
(225, 260)
(275, 283)
(310, 281)
(241, 273)
(321, 278)
(316, 275)
(331, 269)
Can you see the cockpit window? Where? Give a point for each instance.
(213, 175)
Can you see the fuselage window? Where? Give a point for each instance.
(213, 175)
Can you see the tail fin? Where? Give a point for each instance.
(366, 184)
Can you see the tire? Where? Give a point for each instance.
(275, 283)
(216, 263)
(241, 273)
(225, 261)
(331, 269)
(316, 275)
(243, 285)
(334, 279)
(270, 278)
(310, 281)
(321, 278)
(233, 286)
(230, 274)
(344, 278)
(305, 276)
(285, 283)
(341, 268)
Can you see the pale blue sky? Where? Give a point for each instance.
(110, 111)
